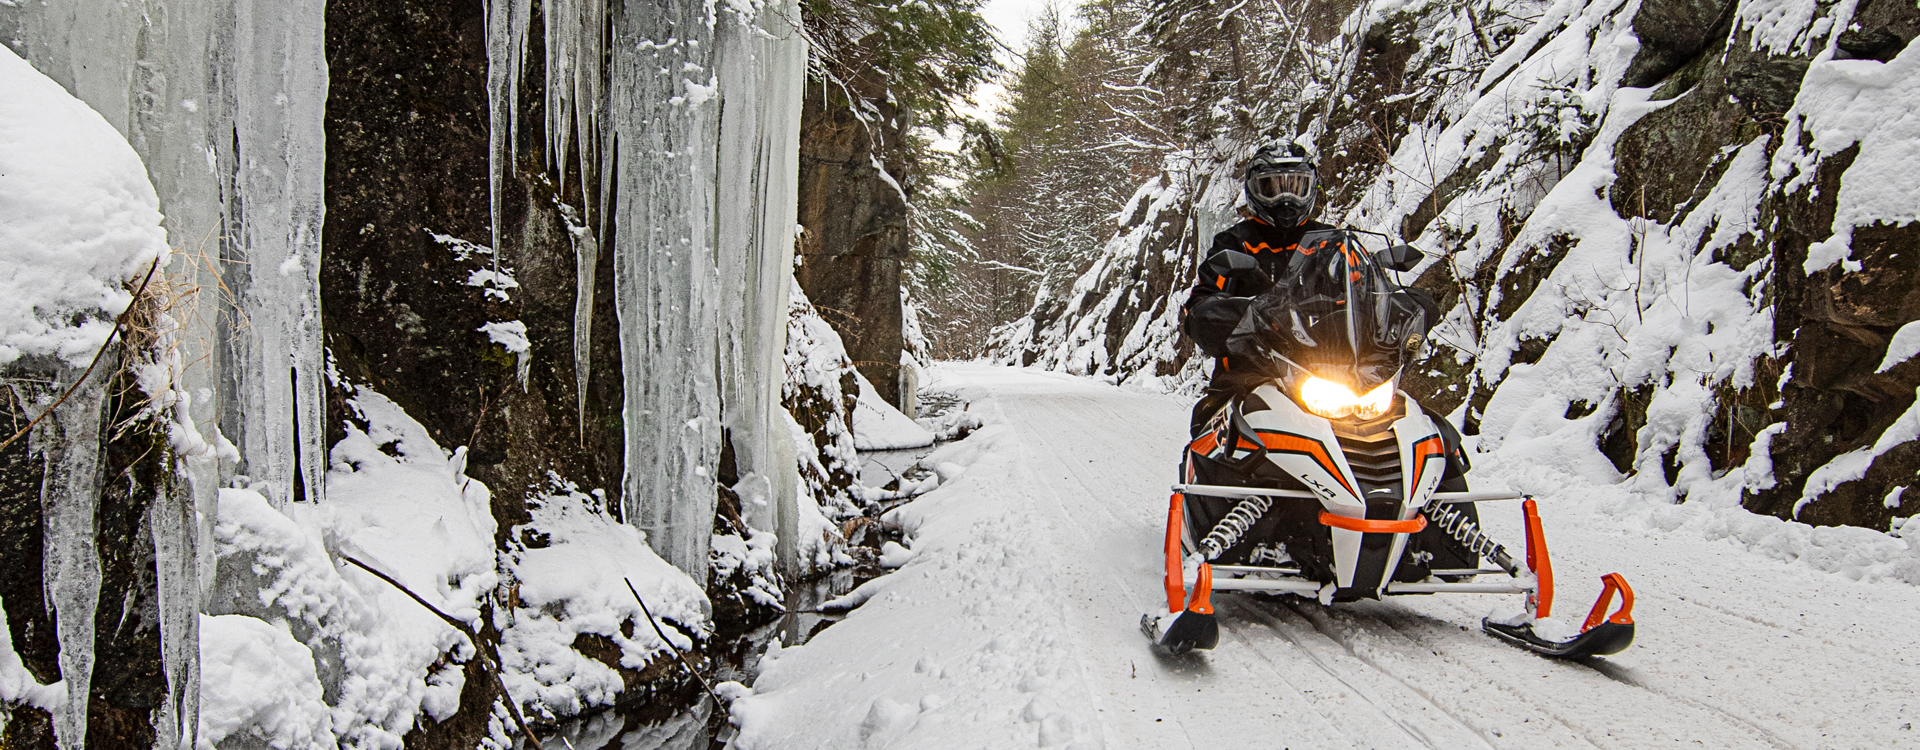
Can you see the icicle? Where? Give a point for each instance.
(665, 283)
(170, 520)
(507, 22)
(759, 68)
(70, 497)
(575, 40)
(279, 100)
(586, 257)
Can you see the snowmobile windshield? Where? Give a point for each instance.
(1336, 314)
(1274, 186)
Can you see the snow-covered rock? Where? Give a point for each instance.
(259, 687)
(78, 221)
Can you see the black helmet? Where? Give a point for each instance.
(1281, 184)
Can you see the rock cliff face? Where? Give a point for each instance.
(855, 213)
(408, 280)
(1695, 201)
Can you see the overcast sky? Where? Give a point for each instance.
(1010, 18)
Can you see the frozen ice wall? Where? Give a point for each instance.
(760, 68)
(704, 114)
(279, 98)
(689, 133)
(222, 101)
(665, 276)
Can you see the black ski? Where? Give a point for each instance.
(1605, 638)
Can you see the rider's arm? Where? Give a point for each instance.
(1221, 291)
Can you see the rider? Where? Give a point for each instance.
(1282, 188)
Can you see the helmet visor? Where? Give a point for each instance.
(1275, 186)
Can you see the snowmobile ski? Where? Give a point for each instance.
(1606, 638)
(1181, 632)
(1600, 635)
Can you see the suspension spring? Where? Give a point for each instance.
(1228, 531)
(1454, 521)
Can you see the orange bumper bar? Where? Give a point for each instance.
(1410, 526)
(1541, 600)
(1176, 588)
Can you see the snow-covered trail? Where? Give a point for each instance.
(1016, 624)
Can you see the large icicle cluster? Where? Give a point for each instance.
(695, 132)
(243, 204)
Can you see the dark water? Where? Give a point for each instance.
(700, 727)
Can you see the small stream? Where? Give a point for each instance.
(699, 727)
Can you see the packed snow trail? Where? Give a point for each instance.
(1016, 622)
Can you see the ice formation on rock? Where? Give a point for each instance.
(78, 222)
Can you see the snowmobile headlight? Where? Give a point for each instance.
(1335, 401)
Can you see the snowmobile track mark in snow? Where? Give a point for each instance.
(1322, 620)
(1619, 673)
(1404, 623)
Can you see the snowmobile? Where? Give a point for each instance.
(1326, 481)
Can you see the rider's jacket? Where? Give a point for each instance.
(1243, 263)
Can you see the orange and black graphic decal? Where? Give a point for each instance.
(1427, 449)
(1208, 444)
(1287, 442)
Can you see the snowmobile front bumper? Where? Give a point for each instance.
(1215, 490)
(1304, 587)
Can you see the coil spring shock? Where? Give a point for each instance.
(1463, 530)
(1234, 525)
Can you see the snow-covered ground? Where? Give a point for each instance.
(1015, 623)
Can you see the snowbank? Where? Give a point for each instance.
(877, 426)
(1852, 552)
(257, 682)
(570, 569)
(400, 503)
(78, 220)
(819, 392)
